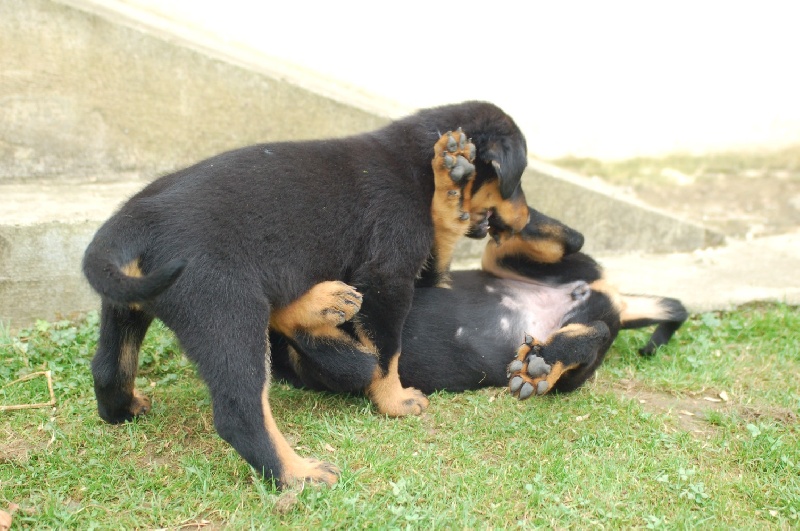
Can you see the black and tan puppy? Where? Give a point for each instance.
(531, 289)
(213, 250)
(567, 313)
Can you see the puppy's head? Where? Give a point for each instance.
(501, 157)
(543, 239)
(496, 191)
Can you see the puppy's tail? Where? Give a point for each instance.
(111, 265)
(667, 314)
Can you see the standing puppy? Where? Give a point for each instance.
(213, 249)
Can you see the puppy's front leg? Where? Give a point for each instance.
(452, 171)
(380, 323)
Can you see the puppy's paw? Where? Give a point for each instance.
(407, 401)
(140, 404)
(336, 302)
(327, 304)
(394, 400)
(309, 470)
(453, 159)
(529, 374)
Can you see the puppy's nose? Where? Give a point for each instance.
(573, 241)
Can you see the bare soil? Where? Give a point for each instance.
(731, 204)
(690, 412)
(738, 194)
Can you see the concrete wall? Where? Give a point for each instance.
(599, 79)
(94, 102)
(85, 96)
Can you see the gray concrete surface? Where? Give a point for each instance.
(715, 278)
(94, 104)
(720, 278)
(97, 95)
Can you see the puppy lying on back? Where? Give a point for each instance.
(564, 315)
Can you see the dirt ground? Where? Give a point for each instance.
(739, 194)
(691, 412)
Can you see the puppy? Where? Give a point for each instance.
(215, 249)
(535, 290)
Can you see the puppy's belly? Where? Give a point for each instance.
(538, 309)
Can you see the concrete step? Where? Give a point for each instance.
(45, 226)
(99, 97)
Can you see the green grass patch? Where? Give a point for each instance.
(648, 443)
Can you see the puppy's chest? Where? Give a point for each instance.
(539, 309)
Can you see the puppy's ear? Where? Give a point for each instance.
(508, 157)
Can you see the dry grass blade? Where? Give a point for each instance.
(49, 376)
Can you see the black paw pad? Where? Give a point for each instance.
(529, 340)
(514, 366)
(452, 144)
(462, 169)
(525, 391)
(537, 367)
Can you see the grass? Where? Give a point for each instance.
(603, 456)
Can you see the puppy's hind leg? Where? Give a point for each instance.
(540, 367)
(116, 361)
(322, 355)
(229, 344)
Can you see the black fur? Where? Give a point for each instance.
(465, 337)
(437, 357)
(223, 242)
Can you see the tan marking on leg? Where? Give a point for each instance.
(366, 345)
(128, 364)
(390, 397)
(318, 311)
(140, 404)
(296, 469)
(603, 286)
(556, 372)
(446, 206)
(638, 307)
(128, 368)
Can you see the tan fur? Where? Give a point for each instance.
(543, 251)
(390, 397)
(448, 227)
(488, 197)
(539, 250)
(132, 269)
(296, 469)
(140, 404)
(315, 311)
(128, 364)
(603, 286)
(636, 308)
(365, 343)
